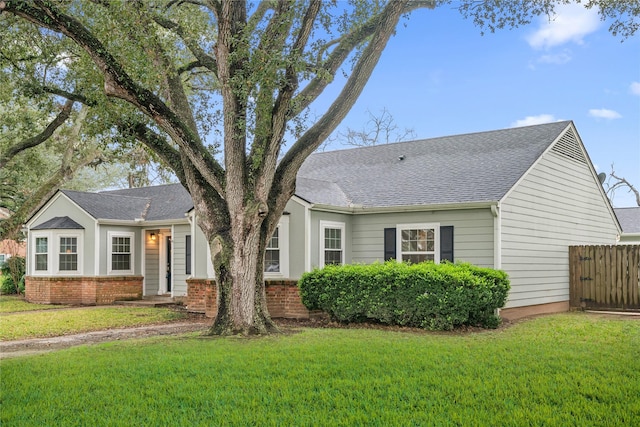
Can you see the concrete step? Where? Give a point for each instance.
(149, 301)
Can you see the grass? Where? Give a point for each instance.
(25, 324)
(570, 369)
(15, 303)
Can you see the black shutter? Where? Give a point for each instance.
(187, 254)
(446, 243)
(389, 244)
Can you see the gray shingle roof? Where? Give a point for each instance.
(169, 201)
(475, 167)
(629, 219)
(162, 202)
(59, 223)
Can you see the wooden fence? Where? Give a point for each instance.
(604, 277)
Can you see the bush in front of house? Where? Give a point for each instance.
(425, 295)
(12, 275)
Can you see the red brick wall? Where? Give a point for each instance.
(283, 298)
(202, 296)
(82, 290)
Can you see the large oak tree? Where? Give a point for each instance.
(175, 63)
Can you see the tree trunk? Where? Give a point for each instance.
(238, 259)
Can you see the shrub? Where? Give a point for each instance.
(12, 278)
(426, 295)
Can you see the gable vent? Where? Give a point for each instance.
(568, 146)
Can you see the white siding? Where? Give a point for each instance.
(316, 217)
(178, 273)
(297, 242)
(557, 204)
(59, 206)
(151, 263)
(472, 233)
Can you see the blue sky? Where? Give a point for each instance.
(440, 76)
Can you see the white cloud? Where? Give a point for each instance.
(558, 58)
(534, 120)
(603, 113)
(571, 23)
(635, 88)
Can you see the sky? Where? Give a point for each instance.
(439, 76)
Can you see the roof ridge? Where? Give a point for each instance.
(377, 146)
(104, 193)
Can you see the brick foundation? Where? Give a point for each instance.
(102, 290)
(283, 298)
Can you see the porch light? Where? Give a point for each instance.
(153, 237)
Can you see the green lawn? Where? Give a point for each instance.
(15, 303)
(563, 370)
(17, 322)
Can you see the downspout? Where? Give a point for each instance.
(173, 264)
(307, 239)
(192, 229)
(497, 240)
(96, 250)
(497, 236)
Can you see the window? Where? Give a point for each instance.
(418, 242)
(42, 253)
(187, 254)
(3, 259)
(332, 238)
(120, 253)
(276, 256)
(272, 254)
(68, 255)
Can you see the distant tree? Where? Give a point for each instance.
(379, 129)
(613, 183)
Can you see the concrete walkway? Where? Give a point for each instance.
(10, 349)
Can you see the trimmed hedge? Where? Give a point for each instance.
(425, 295)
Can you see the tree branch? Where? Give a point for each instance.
(346, 44)
(119, 84)
(290, 164)
(622, 182)
(159, 145)
(41, 137)
(201, 56)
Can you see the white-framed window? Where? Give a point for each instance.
(272, 254)
(332, 243)
(276, 257)
(41, 253)
(68, 252)
(56, 252)
(120, 252)
(418, 242)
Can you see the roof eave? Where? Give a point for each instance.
(364, 210)
(143, 223)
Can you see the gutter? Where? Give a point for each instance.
(141, 222)
(362, 210)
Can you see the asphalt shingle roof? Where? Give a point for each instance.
(475, 167)
(629, 219)
(162, 202)
(169, 201)
(59, 223)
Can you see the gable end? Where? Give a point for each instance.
(569, 147)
